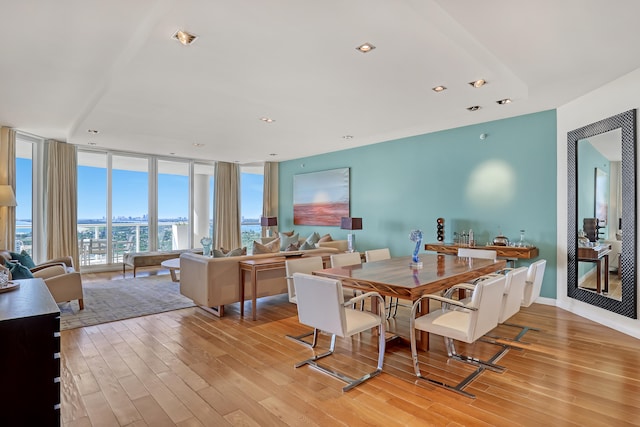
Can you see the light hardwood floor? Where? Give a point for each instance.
(189, 368)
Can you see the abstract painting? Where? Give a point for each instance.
(321, 198)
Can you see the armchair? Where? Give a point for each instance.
(64, 283)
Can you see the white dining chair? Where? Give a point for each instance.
(301, 265)
(468, 322)
(478, 253)
(321, 306)
(345, 260)
(379, 255)
(532, 288)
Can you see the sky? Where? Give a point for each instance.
(130, 191)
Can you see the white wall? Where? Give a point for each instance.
(616, 97)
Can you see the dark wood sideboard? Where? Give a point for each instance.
(29, 356)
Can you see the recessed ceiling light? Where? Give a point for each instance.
(347, 137)
(184, 37)
(197, 144)
(504, 101)
(478, 83)
(473, 108)
(273, 154)
(93, 131)
(267, 119)
(439, 89)
(93, 143)
(366, 47)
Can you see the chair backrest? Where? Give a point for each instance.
(377, 254)
(342, 260)
(533, 284)
(478, 253)
(513, 292)
(320, 303)
(300, 265)
(487, 298)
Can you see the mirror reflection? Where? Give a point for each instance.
(601, 214)
(599, 225)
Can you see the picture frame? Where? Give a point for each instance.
(321, 198)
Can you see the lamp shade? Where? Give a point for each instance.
(348, 223)
(7, 196)
(269, 221)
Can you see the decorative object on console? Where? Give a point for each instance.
(416, 236)
(269, 221)
(592, 228)
(440, 229)
(348, 223)
(206, 245)
(500, 239)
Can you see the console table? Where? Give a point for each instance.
(253, 266)
(597, 254)
(30, 356)
(509, 252)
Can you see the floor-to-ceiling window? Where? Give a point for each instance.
(173, 205)
(24, 195)
(130, 201)
(92, 208)
(251, 191)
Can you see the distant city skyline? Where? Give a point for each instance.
(130, 194)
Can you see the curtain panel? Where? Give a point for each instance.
(227, 206)
(61, 201)
(8, 177)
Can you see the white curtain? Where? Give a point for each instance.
(61, 204)
(8, 177)
(227, 206)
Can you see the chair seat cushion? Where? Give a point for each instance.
(453, 324)
(359, 321)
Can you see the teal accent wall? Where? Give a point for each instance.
(505, 182)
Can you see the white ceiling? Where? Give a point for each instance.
(67, 66)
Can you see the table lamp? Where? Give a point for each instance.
(348, 223)
(269, 221)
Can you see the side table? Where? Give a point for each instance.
(253, 266)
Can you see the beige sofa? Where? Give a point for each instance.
(213, 282)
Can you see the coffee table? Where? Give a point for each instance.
(172, 265)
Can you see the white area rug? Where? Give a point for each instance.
(122, 299)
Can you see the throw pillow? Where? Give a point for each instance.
(270, 248)
(18, 271)
(325, 238)
(313, 239)
(293, 247)
(222, 253)
(23, 258)
(306, 246)
(285, 241)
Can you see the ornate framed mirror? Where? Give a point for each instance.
(622, 128)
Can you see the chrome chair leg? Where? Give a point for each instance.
(299, 338)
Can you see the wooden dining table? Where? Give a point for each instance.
(396, 278)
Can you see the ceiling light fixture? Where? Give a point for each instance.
(347, 137)
(504, 101)
(473, 108)
(478, 83)
(439, 89)
(198, 144)
(184, 37)
(366, 47)
(93, 131)
(267, 119)
(273, 154)
(92, 143)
